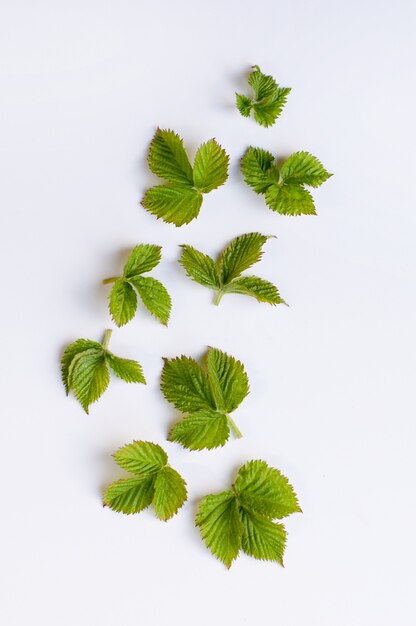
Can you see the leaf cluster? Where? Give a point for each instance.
(85, 369)
(242, 518)
(224, 275)
(284, 187)
(153, 482)
(179, 200)
(268, 100)
(208, 395)
(123, 296)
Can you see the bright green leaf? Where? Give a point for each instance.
(130, 495)
(185, 385)
(170, 493)
(142, 258)
(126, 369)
(122, 302)
(173, 203)
(221, 528)
(240, 254)
(227, 378)
(258, 288)
(168, 159)
(305, 169)
(154, 296)
(88, 376)
(200, 267)
(256, 167)
(141, 457)
(290, 200)
(262, 538)
(70, 352)
(264, 490)
(206, 428)
(244, 104)
(210, 166)
(268, 101)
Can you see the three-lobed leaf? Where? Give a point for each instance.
(84, 369)
(242, 518)
(224, 275)
(154, 482)
(206, 395)
(179, 200)
(268, 100)
(284, 188)
(123, 296)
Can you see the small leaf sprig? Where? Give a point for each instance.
(123, 296)
(153, 482)
(179, 200)
(284, 187)
(242, 517)
(84, 369)
(268, 101)
(224, 275)
(208, 396)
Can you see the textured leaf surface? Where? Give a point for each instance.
(130, 495)
(210, 166)
(243, 104)
(262, 290)
(185, 385)
(304, 168)
(88, 376)
(256, 166)
(200, 267)
(154, 296)
(268, 101)
(228, 380)
(264, 490)
(127, 369)
(173, 203)
(170, 493)
(290, 200)
(80, 345)
(122, 302)
(241, 254)
(221, 528)
(168, 159)
(206, 428)
(141, 457)
(262, 538)
(142, 258)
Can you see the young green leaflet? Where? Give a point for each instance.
(224, 275)
(207, 395)
(153, 481)
(123, 296)
(284, 187)
(179, 200)
(268, 101)
(84, 368)
(242, 518)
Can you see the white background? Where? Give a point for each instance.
(84, 85)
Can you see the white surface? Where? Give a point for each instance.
(84, 84)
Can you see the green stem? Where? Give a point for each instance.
(218, 297)
(107, 336)
(234, 427)
(112, 279)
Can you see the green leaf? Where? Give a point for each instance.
(221, 528)
(227, 378)
(126, 369)
(243, 104)
(170, 493)
(154, 296)
(200, 267)
(262, 290)
(168, 159)
(173, 203)
(240, 254)
(141, 457)
(304, 168)
(262, 538)
(122, 302)
(88, 376)
(290, 200)
(256, 167)
(130, 495)
(185, 385)
(142, 258)
(70, 352)
(210, 166)
(264, 490)
(206, 428)
(268, 101)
